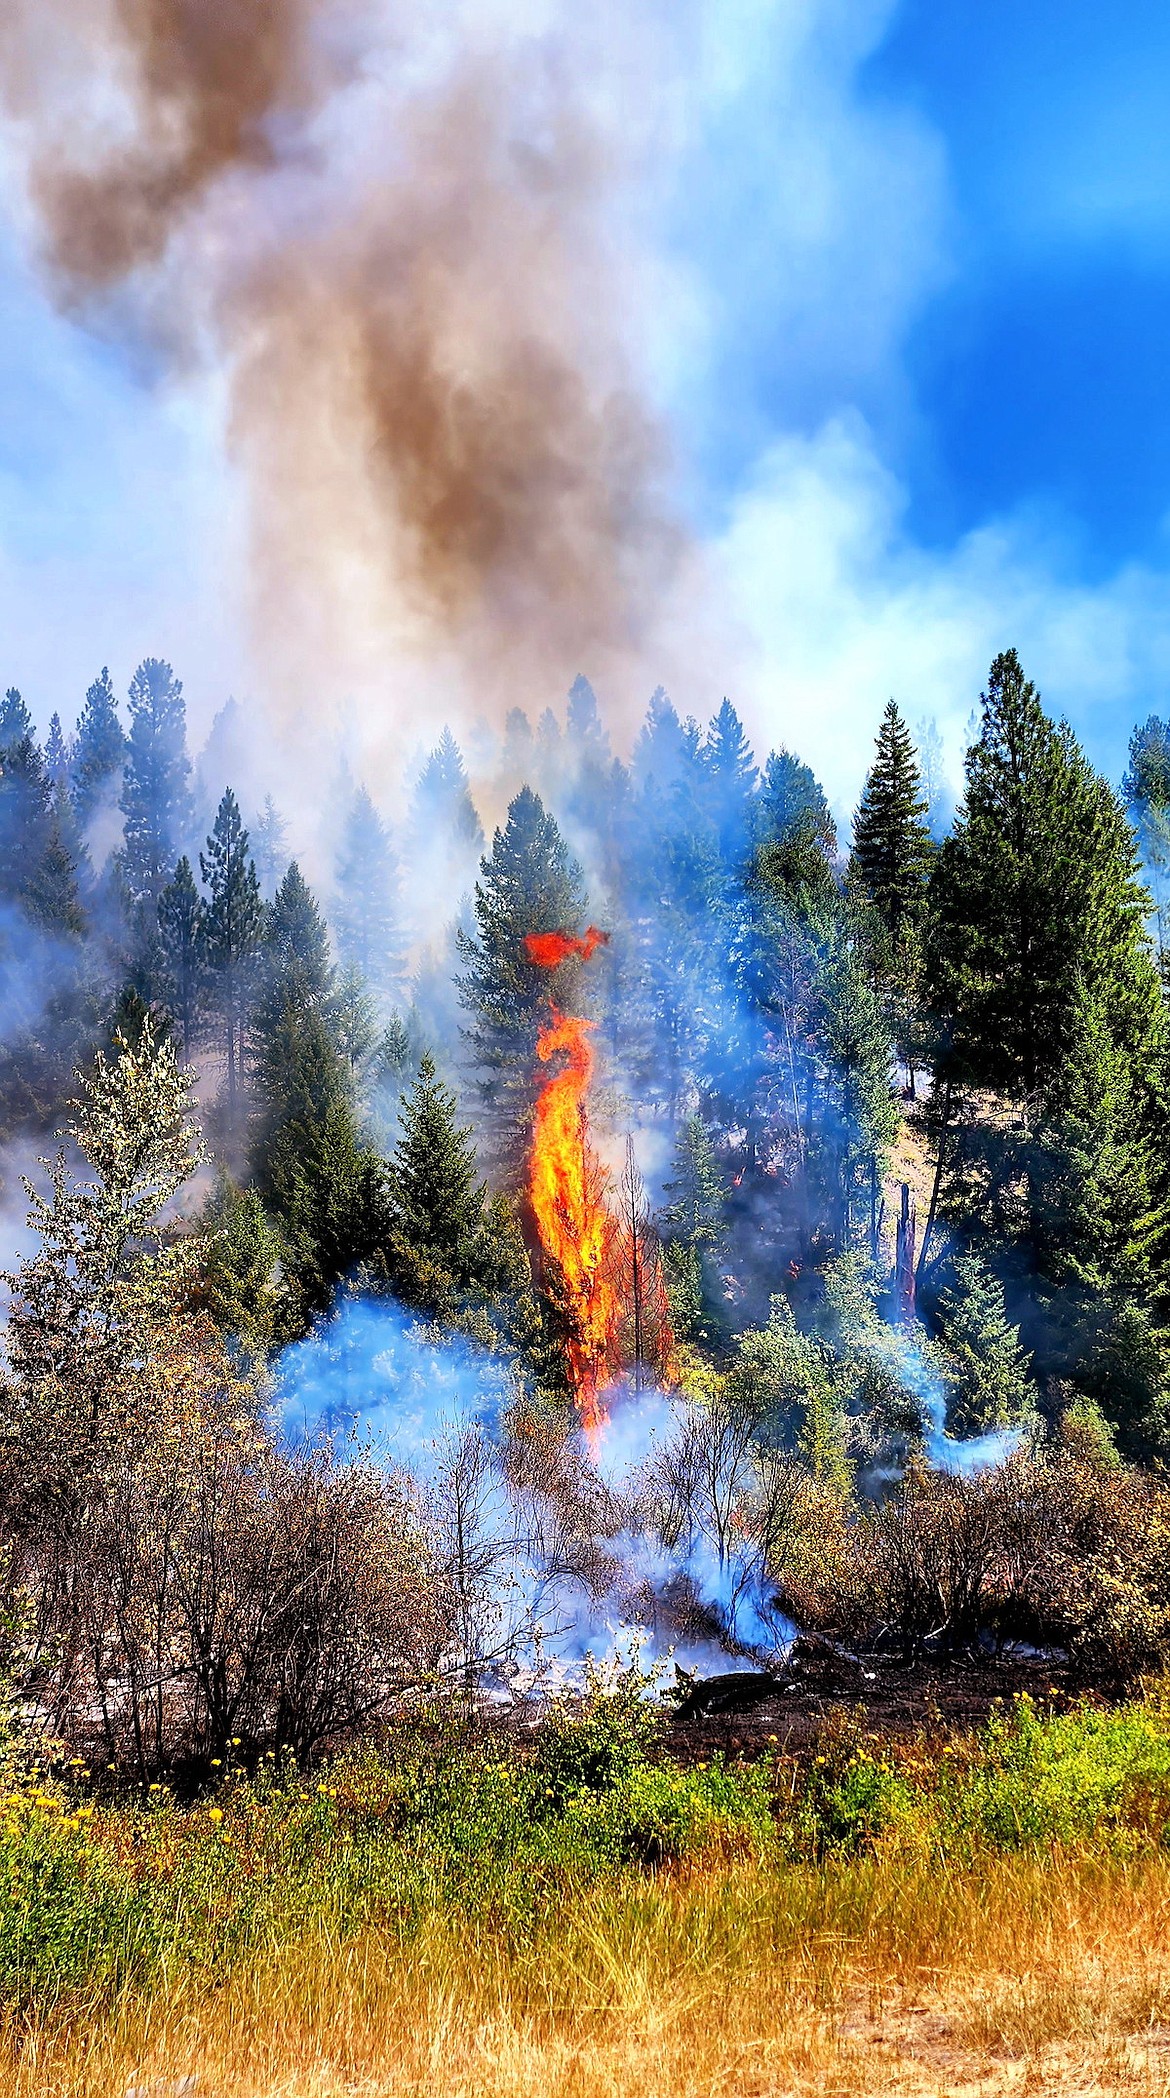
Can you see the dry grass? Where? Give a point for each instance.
(1048, 1976)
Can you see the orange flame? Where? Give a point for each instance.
(568, 1184)
(549, 949)
(603, 1261)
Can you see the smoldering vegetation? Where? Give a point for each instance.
(293, 1400)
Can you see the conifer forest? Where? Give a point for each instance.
(719, 1240)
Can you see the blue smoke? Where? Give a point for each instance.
(374, 1374)
(977, 1453)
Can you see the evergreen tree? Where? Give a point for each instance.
(365, 910)
(325, 1188)
(437, 1195)
(232, 925)
(861, 1119)
(730, 781)
(529, 883)
(155, 792)
(694, 1229)
(517, 740)
(183, 974)
(891, 842)
(1090, 1226)
(99, 749)
(792, 801)
(25, 815)
(269, 850)
(361, 1041)
(53, 893)
(57, 756)
(449, 1252)
(332, 1205)
(663, 746)
(239, 1281)
(1146, 788)
(1035, 899)
(296, 963)
(441, 806)
(989, 1368)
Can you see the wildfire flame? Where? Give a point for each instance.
(549, 949)
(569, 1186)
(568, 1183)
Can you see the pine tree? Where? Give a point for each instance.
(989, 1368)
(891, 842)
(332, 1206)
(661, 751)
(296, 966)
(730, 781)
(25, 814)
(437, 1195)
(53, 892)
(57, 755)
(791, 801)
(861, 1121)
(269, 848)
(325, 1188)
(1146, 788)
(694, 1229)
(365, 909)
(239, 1281)
(364, 1045)
(441, 806)
(529, 883)
(99, 749)
(232, 925)
(1035, 898)
(183, 975)
(155, 790)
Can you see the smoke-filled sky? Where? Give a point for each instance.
(395, 363)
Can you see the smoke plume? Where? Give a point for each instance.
(396, 235)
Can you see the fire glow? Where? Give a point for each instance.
(568, 1185)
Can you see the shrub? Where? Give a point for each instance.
(1041, 1779)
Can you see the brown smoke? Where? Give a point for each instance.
(424, 332)
(206, 77)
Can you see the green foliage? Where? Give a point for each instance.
(233, 921)
(438, 1197)
(529, 883)
(892, 846)
(155, 799)
(1146, 788)
(1039, 1779)
(239, 1280)
(24, 802)
(101, 1901)
(365, 908)
(693, 1231)
(987, 1367)
(1087, 1777)
(183, 972)
(1035, 902)
(99, 749)
(792, 801)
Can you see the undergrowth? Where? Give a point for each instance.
(103, 1899)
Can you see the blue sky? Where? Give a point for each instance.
(913, 348)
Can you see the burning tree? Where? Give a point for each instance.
(609, 1262)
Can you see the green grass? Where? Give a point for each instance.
(142, 1894)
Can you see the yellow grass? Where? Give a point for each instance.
(1048, 1976)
